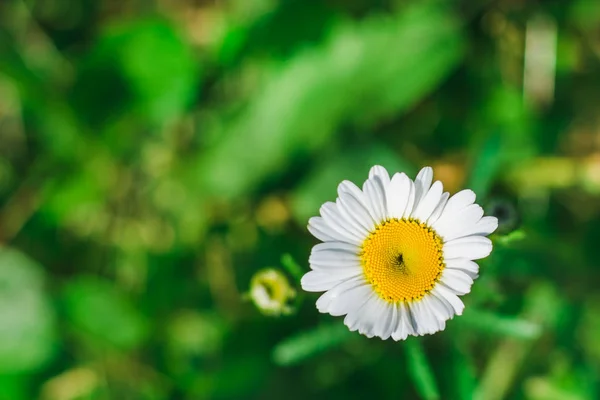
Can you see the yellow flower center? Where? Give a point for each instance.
(402, 259)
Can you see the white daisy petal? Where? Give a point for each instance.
(375, 194)
(485, 226)
(435, 215)
(428, 202)
(351, 300)
(350, 213)
(411, 320)
(397, 332)
(462, 264)
(356, 317)
(372, 313)
(372, 324)
(397, 195)
(334, 257)
(318, 281)
(459, 201)
(385, 320)
(410, 205)
(442, 292)
(380, 173)
(445, 304)
(460, 224)
(438, 309)
(391, 321)
(319, 229)
(320, 265)
(457, 280)
(471, 247)
(353, 201)
(405, 324)
(334, 294)
(442, 310)
(423, 183)
(368, 234)
(341, 224)
(421, 318)
(336, 246)
(380, 180)
(430, 323)
(339, 273)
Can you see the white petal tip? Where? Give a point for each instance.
(425, 171)
(378, 170)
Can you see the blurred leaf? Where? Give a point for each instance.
(190, 336)
(543, 304)
(500, 325)
(299, 23)
(567, 380)
(307, 344)
(12, 65)
(353, 165)
(487, 164)
(310, 97)
(589, 329)
(55, 125)
(420, 370)
(288, 262)
(27, 321)
(125, 62)
(464, 378)
(97, 310)
(14, 387)
(82, 191)
(75, 383)
(237, 378)
(192, 333)
(51, 121)
(511, 238)
(585, 14)
(409, 72)
(508, 142)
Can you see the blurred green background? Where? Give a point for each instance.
(159, 160)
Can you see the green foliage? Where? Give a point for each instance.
(420, 370)
(464, 375)
(28, 334)
(156, 157)
(99, 312)
(288, 262)
(308, 98)
(500, 325)
(148, 64)
(307, 344)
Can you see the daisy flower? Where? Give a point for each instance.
(397, 254)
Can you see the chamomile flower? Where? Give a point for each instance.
(397, 254)
(271, 292)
